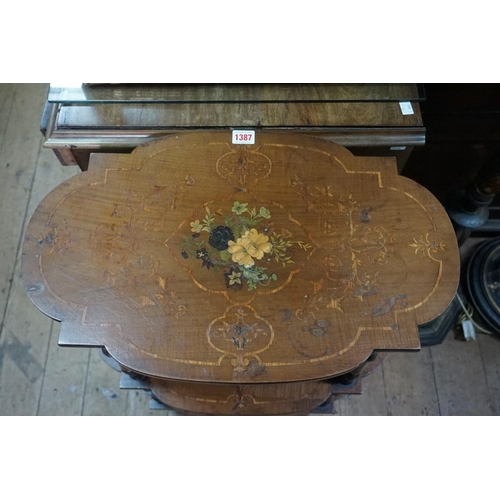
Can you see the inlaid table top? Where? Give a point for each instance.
(196, 259)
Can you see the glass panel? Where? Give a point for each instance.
(92, 93)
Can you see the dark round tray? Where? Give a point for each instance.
(483, 281)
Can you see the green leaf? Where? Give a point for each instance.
(225, 256)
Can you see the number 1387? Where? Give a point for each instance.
(243, 137)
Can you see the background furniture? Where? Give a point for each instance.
(462, 124)
(366, 118)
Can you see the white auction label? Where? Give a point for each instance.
(243, 136)
(406, 108)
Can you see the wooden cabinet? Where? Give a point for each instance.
(366, 118)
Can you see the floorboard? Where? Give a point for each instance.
(103, 395)
(460, 377)
(138, 404)
(489, 348)
(65, 379)
(410, 385)
(24, 335)
(371, 403)
(20, 145)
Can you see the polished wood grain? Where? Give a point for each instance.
(237, 399)
(177, 115)
(372, 255)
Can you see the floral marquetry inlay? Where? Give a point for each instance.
(249, 246)
(427, 246)
(199, 260)
(244, 246)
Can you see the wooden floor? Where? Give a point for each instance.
(39, 378)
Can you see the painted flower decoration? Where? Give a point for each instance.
(252, 245)
(239, 208)
(265, 213)
(202, 253)
(205, 258)
(234, 278)
(234, 241)
(196, 227)
(220, 237)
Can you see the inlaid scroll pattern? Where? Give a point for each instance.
(427, 246)
(56, 240)
(363, 245)
(244, 167)
(125, 247)
(148, 209)
(239, 332)
(320, 200)
(358, 245)
(242, 334)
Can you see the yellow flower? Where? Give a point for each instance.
(196, 227)
(234, 277)
(252, 245)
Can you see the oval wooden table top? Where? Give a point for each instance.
(200, 260)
